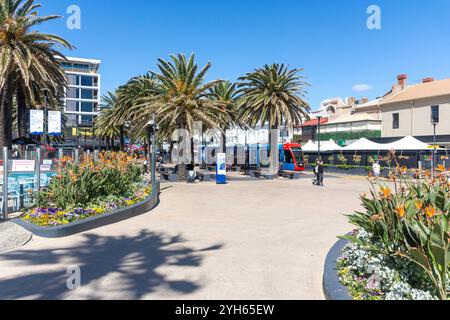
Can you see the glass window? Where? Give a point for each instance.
(87, 120)
(87, 107)
(435, 114)
(72, 105)
(73, 79)
(396, 121)
(87, 81)
(71, 120)
(73, 93)
(87, 94)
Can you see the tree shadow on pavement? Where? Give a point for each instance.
(132, 263)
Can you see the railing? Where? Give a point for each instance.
(21, 175)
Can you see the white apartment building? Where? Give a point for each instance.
(83, 95)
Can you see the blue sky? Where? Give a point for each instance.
(328, 38)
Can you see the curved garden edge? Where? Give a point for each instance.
(94, 222)
(332, 287)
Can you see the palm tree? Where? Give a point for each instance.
(273, 95)
(226, 94)
(106, 126)
(181, 98)
(29, 62)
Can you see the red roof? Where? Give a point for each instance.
(315, 122)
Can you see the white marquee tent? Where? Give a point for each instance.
(409, 143)
(405, 144)
(325, 146)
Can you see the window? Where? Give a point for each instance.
(87, 81)
(396, 121)
(72, 105)
(73, 79)
(73, 93)
(72, 120)
(87, 120)
(435, 114)
(288, 156)
(87, 94)
(87, 107)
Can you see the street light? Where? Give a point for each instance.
(46, 91)
(319, 119)
(435, 122)
(152, 127)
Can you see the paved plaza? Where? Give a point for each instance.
(249, 239)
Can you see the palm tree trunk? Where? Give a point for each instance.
(122, 138)
(6, 117)
(22, 119)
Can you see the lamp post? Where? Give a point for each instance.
(45, 91)
(152, 129)
(319, 119)
(435, 122)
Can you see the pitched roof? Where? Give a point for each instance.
(314, 122)
(419, 91)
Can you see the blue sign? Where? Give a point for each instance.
(221, 170)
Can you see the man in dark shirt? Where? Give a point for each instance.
(320, 171)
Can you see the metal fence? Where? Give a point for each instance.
(409, 159)
(23, 174)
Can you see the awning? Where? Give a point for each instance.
(364, 144)
(405, 144)
(409, 143)
(325, 146)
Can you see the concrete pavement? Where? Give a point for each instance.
(245, 240)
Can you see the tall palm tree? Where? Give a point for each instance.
(28, 63)
(273, 95)
(226, 94)
(181, 98)
(106, 126)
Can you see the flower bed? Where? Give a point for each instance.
(46, 217)
(89, 189)
(401, 249)
(369, 275)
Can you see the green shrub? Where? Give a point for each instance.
(412, 222)
(77, 185)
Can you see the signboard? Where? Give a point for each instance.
(46, 167)
(23, 166)
(54, 123)
(221, 176)
(36, 122)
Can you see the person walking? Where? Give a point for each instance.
(320, 173)
(376, 170)
(146, 166)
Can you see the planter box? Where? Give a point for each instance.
(332, 287)
(93, 222)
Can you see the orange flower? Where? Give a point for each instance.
(386, 192)
(430, 212)
(441, 168)
(401, 212)
(419, 205)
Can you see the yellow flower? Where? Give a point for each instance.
(430, 212)
(401, 212)
(419, 205)
(386, 192)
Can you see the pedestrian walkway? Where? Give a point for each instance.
(244, 240)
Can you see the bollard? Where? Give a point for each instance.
(5, 184)
(95, 155)
(38, 169)
(60, 154)
(76, 156)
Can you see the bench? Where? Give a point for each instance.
(290, 175)
(267, 176)
(170, 177)
(206, 176)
